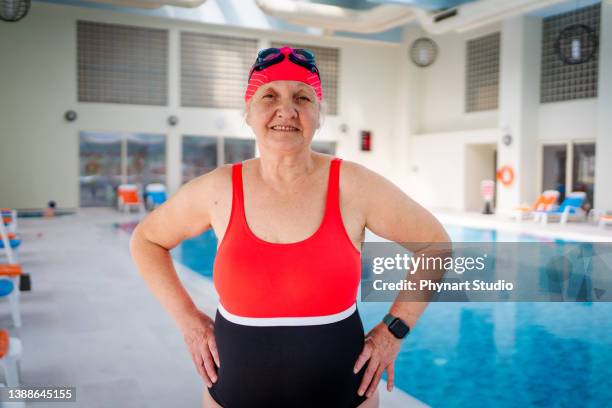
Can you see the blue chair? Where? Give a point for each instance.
(9, 277)
(155, 195)
(9, 217)
(570, 209)
(13, 242)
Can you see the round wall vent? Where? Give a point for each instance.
(13, 10)
(423, 51)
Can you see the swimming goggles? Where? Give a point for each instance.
(298, 56)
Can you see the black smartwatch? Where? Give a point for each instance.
(396, 326)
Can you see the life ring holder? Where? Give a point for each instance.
(505, 175)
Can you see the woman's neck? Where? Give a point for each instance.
(282, 170)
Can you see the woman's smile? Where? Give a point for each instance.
(284, 128)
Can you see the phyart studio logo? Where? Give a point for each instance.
(487, 272)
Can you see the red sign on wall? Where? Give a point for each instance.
(366, 140)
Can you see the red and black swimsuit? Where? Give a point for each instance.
(287, 326)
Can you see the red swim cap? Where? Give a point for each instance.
(285, 70)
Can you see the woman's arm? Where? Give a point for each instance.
(184, 215)
(391, 214)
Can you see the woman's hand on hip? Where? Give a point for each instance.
(380, 350)
(200, 340)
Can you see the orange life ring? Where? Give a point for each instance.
(505, 175)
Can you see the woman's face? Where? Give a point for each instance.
(284, 116)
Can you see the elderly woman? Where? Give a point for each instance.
(287, 332)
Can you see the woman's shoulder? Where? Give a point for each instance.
(362, 184)
(355, 174)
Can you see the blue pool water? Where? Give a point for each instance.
(490, 354)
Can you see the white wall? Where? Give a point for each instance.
(568, 120)
(443, 87)
(439, 129)
(442, 130)
(603, 152)
(479, 166)
(38, 83)
(437, 177)
(518, 105)
(407, 108)
(39, 150)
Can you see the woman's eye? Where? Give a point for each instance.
(268, 96)
(304, 98)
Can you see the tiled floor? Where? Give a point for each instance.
(90, 322)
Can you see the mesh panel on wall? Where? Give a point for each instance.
(122, 64)
(482, 73)
(215, 69)
(560, 81)
(328, 62)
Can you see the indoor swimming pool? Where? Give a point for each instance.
(489, 354)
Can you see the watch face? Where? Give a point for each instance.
(399, 329)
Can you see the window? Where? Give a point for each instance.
(202, 154)
(237, 150)
(214, 70)
(146, 159)
(122, 64)
(199, 156)
(559, 81)
(100, 168)
(109, 159)
(482, 73)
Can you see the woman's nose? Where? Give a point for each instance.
(286, 109)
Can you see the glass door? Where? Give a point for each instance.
(99, 168)
(199, 156)
(202, 154)
(109, 159)
(568, 167)
(554, 168)
(236, 150)
(146, 159)
(583, 170)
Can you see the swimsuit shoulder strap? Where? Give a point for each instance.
(236, 215)
(237, 181)
(332, 205)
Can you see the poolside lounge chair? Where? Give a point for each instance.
(9, 278)
(604, 220)
(9, 221)
(545, 201)
(9, 218)
(155, 195)
(10, 353)
(570, 209)
(14, 244)
(128, 198)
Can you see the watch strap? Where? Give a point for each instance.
(388, 319)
